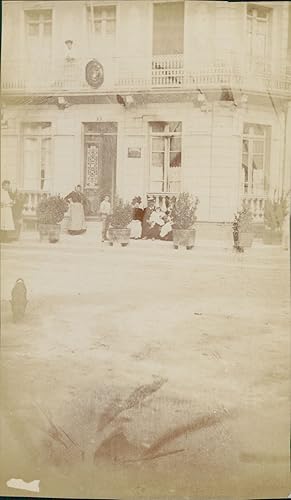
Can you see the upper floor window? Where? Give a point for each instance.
(259, 23)
(38, 29)
(102, 20)
(168, 28)
(255, 158)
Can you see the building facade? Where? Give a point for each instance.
(148, 97)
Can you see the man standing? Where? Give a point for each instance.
(105, 211)
(7, 223)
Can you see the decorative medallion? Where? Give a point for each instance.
(94, 73)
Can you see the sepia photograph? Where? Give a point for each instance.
(145, 249)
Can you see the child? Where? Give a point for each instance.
(105, 210)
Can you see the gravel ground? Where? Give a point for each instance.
(146, 372)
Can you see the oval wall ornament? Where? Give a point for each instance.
(94, 73)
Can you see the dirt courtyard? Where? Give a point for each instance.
(146, 372)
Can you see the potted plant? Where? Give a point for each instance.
(120, 219)
(50, 212)
(275, 213)
(184, 219)
(242, 228)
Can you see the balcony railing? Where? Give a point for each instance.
(32, 199)
(157, 72)
(256, 203)
(167, 71)
(163, 200)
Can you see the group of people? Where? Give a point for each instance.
(150, 223)
(147, 223)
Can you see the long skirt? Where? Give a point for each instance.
(167, 232)
(7, 222)
(135, 229)
(154, 232)
(76, 223)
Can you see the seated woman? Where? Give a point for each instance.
(166, 233)
(156, 223)
(76, 224)
(136, 224)
(146, 225)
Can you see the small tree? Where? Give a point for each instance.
(51, 210)
(243, 220)
(184, 211)
(121, 214)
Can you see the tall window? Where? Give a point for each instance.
(168, 28)
(102, 23)
(39, 30)
(166, 153)
(37, 155)
(255, 159)
(259, 25)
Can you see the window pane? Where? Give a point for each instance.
(246, 128)
(175, 144)
(98, 26)
(110, 27)
(258, 147)
(258, 162)
(158, 126)
(109, 12)
(259, 130)
(175, 159)
(168, 28)
(245, 160)
(157, 186)
(47, 29)
(175, 126)
(33, 29)
(158, 144)
(157, 174)
(47, 15)
(158, 160)
(97, 12)
(33, 15)
(245, 146)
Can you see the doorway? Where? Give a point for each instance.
(100, 152)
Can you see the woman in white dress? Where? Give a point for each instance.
(7, 223)
(76, 223)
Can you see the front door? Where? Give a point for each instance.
(100, 162)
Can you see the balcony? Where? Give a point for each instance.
(142, 75)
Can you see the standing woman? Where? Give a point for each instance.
(77, 223)
(7, 223)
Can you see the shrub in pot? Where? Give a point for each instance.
(184, 219)
(50, 213)
(275, 213)
(242, 228)
(121, 217)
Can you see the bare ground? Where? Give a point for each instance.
(145, 372)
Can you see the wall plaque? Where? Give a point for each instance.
(134, 153)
